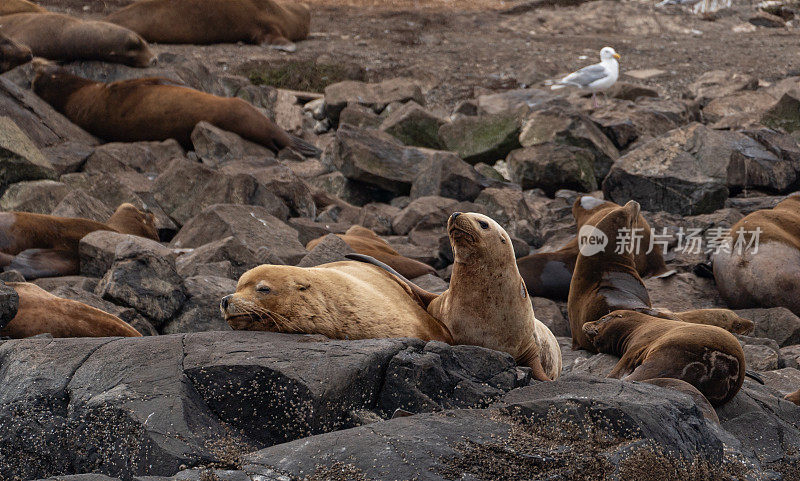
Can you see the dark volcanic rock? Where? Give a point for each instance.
(37, 196)
(98, 250)
(330, 249)
(9, 302)
(570, 428)
(551, 167)
(230, 250)
(485, 138)
(78, 203)
(719, 83)
(376, 96)
(777, 323)
(20, 159)
(447, 176)
(201, 312)
(411, 124)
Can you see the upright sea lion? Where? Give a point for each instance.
(40, 245)
(364, 241)
(548, 274)
(12, 54)
(154, 109)
(707, 357)
(8, 7)
(794, 397)
(759, 266)
(41, 312)
(487, 303)
(217, 21)
(60, 37)
(341, 300)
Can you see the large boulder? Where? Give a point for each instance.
(78, 203)
(201, 312)
(485, 138)
(446, 175)
(98, 250)
(229, 250)
(37, 196)
(143, 278)
(509, 208)
(777, 323)
(186, 188)
(9, 303)
(785, 114)
(426, 212)
(20, 159)
(573, 428)
(629, 123)
(411, 124)
(376, 96)
(127, 314)
(276, 180)
(720, 83)
(253, 226)
(552, 166)
(215, 146)
(148, 158)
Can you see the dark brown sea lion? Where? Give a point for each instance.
(766, 275)
(263, 22)
(364, 241)
(8, 7)
(707, 357)
(548, 274)
(60, 37)
(40, 245)
(12, 54)
(41, 312)
(341, 300)
(154, 109)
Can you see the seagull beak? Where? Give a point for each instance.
(616, 56)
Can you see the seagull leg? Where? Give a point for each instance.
(594, 99)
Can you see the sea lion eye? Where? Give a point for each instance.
(483, 224)
(263, 289)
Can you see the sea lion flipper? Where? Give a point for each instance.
(424, 296)
(36, 263)
(303, 147)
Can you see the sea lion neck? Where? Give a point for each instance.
(56, 88)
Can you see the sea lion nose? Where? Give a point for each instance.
(223, 304)
(454, 215)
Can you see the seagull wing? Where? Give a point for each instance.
(585, 76)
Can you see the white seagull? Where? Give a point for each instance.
(594, 78)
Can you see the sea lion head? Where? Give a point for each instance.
(53, 83)
(124, 46)
(13, 54)
(614, 223)
(268, 298)
(605, 332)
(474, 236)
(729, 320)
(586, 206)
(127, 219)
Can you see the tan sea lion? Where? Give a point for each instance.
(724, 318)
(40, 245)
(8, 7)
(60, 37)
(340, 300)
(548, 274)
(794, 397)
(364, 241)
(263, 22)
(768, 276)
(487, 303)
(12, 54)
(154, 109)
(707, 357)
(41, 312)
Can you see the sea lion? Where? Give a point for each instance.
(40, 245)
(487, 303)
(707, 357)
(548, 274)
(154, 109)
(340, 300)
(769, 275)
(8, 7)
(794, 397)
(263, 22)
(724, 318)
(365, 241)
(60, 37)
(12, 54)
(41, 312)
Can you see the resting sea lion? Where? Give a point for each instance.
(768, 276)
(64, 38)
(40, 245)
(341, 300)
(12, 54)
(487, 303)
(154, 109)
(724, 318)
(794, 397)
(364, 241)
(41, 312)
(217, 21)
(548, 274)
(707, 357)
(8, 7)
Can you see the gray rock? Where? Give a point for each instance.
(98, 250)
(37, 196)
(149, 158)
(78, 203)
(719, 83)
(9, 302)
(550, 314)
(551, 167)
(411, 124)
(127, 314)
(424, 212)
(201, 311)
(446, 175)
(82, 283)
(215, 146)
(791, 356)
(275, 180)
(777, 323)
(375, 96)
(485, 138)
(509, 209)
(253, 226)
(330, 249)
(20, 159)
(68, 156)
(229, 249)
(358, 115)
